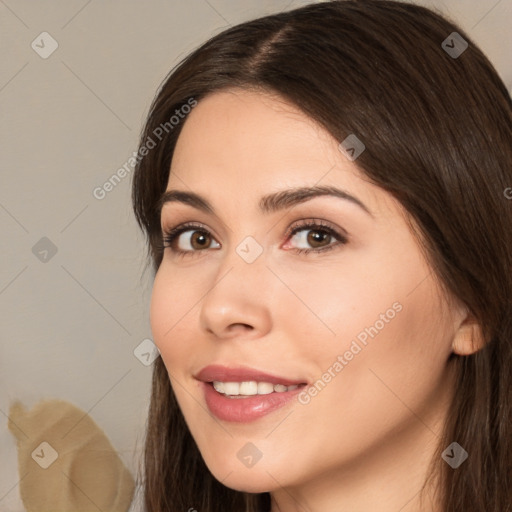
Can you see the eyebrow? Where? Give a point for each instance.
(268, 204)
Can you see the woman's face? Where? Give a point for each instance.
(359, 319)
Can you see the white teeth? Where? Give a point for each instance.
(231, 388)
(219, 386)
(264, 388)
(250, 388)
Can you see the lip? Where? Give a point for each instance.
(216, 372)
(244, 410)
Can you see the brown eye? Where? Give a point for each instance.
(197, 240)
(317, 237)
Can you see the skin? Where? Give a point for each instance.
(363, 442)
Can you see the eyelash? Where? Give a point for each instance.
(169, 236)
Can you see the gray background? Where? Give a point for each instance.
(70, 324)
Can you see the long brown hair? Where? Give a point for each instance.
(438, 134)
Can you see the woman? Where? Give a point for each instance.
(323, 196)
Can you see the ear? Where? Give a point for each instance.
(468, 337)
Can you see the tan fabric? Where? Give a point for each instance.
(83, 472)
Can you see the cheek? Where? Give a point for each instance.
(168, 314)
(399, 367)
(396, 379)
(390, 331)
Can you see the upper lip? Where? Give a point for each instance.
(221, 373)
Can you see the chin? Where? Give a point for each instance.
(249, 483)
(239, 478)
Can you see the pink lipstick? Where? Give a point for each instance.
(243, 394)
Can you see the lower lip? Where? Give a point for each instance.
(244, 410)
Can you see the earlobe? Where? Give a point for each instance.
(468, 338)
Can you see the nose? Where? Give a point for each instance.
(239, 300)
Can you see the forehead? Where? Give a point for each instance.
(238, 130)
(248, 124)
(246, 142)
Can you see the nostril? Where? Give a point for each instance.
(242, 327)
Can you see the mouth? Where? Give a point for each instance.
(246, 389)
(244, 394)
